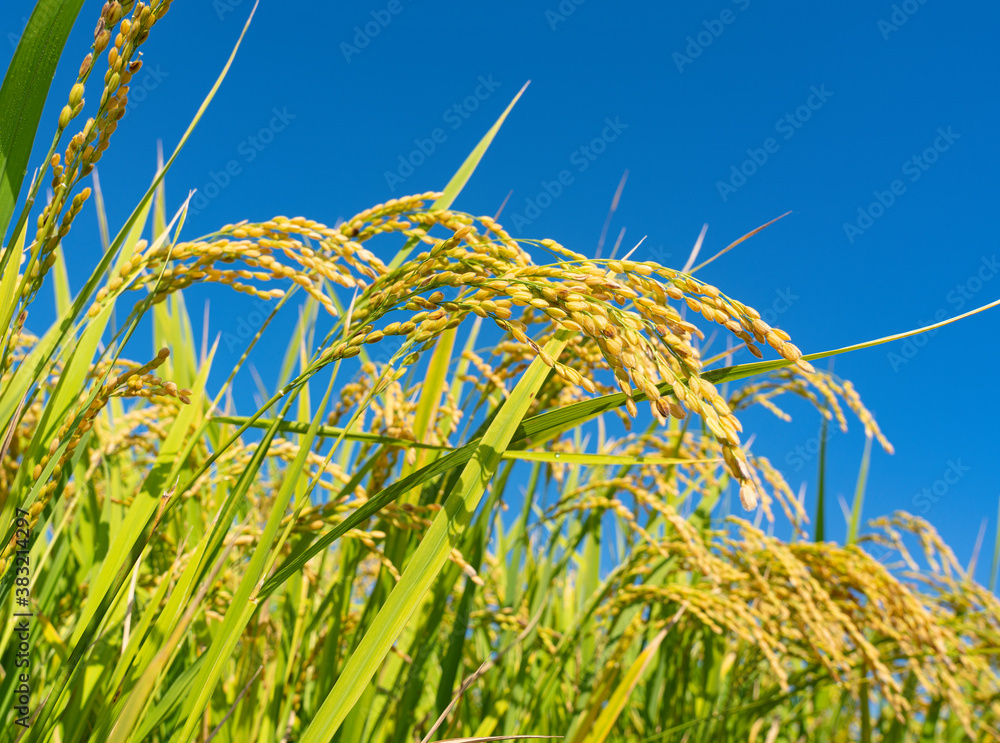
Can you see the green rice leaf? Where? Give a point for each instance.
(462, 176)
(430, 555)
(859, 493)
(8, 279)
(22, 96)
(244, 602)
(616, 704)
(742, 371)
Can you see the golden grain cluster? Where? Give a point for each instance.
(201, 570)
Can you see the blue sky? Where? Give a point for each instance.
(868, 121)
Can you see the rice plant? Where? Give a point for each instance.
(489, 494)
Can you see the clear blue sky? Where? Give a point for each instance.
(850, 103)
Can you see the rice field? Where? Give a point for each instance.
(501, 488)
